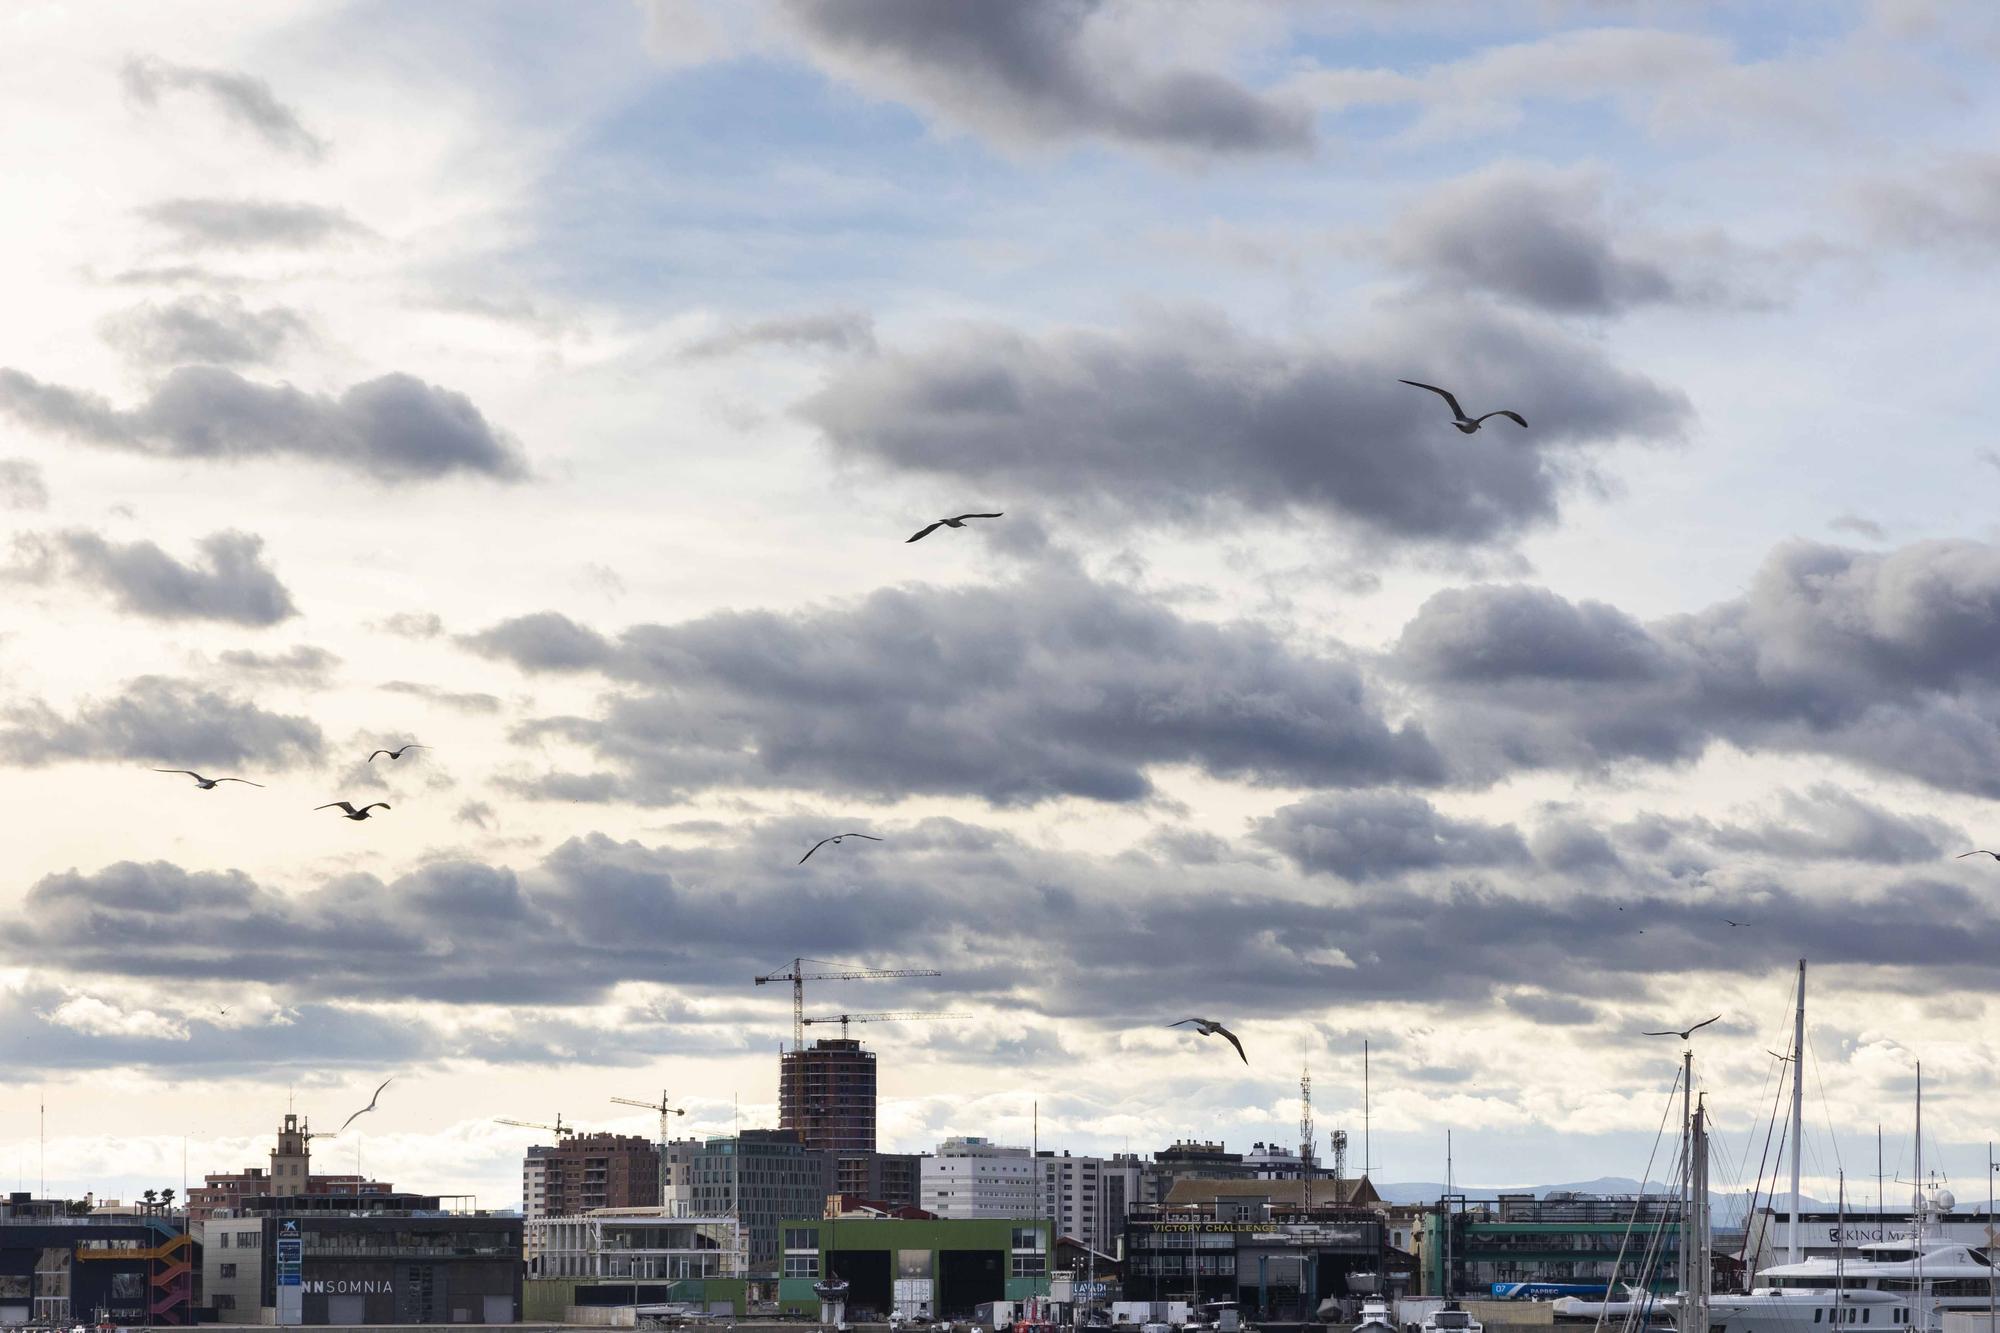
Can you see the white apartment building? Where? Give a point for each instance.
(974, 1177)
(1089, 1198)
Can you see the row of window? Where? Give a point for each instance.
(1897, 1315)
(245, 1240)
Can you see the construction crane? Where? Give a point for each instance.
(662, 1106)
(798, 976)
(666, 1110)
(558, 1128)
(845, 1019)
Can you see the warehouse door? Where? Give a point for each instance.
(345, 1309)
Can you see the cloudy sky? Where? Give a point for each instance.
(556, 388)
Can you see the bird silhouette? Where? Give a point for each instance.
(1977, 851)
(958, 522)
(1688, 1034)
(1465, 424)
(1208, 1027)
(352, 813)
(398, 754)
(207, 784)
(1727, 921)
(364, 1110)
(835, 839)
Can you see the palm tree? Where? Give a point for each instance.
(151, 1197)
(166, 1200)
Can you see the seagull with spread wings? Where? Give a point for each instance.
(1977, 851)
(958, 522)
(398, 754)
(1208, 1027)
(364, 1110)
(207, 784)
(1465, 424)
(1685, 1035)
(835, 840)
(352, 813)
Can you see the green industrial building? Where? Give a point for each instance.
(939, 1269)
(1563, 1240)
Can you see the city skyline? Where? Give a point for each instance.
(560, 395)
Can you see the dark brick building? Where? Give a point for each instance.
(590, 1171)
(826, 1091)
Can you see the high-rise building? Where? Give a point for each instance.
(973, 1177)
(759, 1176)
(590, 1171)
(826, 1091)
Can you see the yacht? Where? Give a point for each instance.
(1911, 1282)
(1451, 1318)
(1375, 1317)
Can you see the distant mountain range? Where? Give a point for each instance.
(1726, 1207)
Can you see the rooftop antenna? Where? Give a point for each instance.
(1306, 1130)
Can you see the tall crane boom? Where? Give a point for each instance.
(798, 976)
(845, 1019)
(559, 1129)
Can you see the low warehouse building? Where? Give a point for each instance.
(942, 1269)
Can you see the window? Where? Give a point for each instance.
(1030, 1239)
(1817, 1312)
(227, 1270)
(223, 1301)
(802, 1238)
(801, 1265)
(246, 1240)
(1030, 1265)
(225, 1241)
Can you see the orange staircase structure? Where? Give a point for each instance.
(170, 1298)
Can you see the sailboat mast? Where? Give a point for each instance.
(1690, 1229)
(1798, 1103)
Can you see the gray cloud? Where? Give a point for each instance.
(21, 485)
(1040, 72)
(394, 427)
(210, 330)
(542, 641)
(1189, 422)
(301, 664)
(836, 331)
(1053, 686)
(1888, 660)
(1952, 205)
(1373, 835)
(247, 101)
(251, 224)
(596, 913)
(1859, 526)
(1823, 823)
(413, 624)
(230, 583)
(464, 702)
(157, 718)
(1531, 235)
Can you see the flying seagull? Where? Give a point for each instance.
(364, 1110)
(398, 754)
(1775, 1056)
(352, 813)
(1727, 921)
(1210, 1028)
(1979, 851)
(207, 784)
(1684, 1036)
(834, 839)
(1465, 424)
(958, 522)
